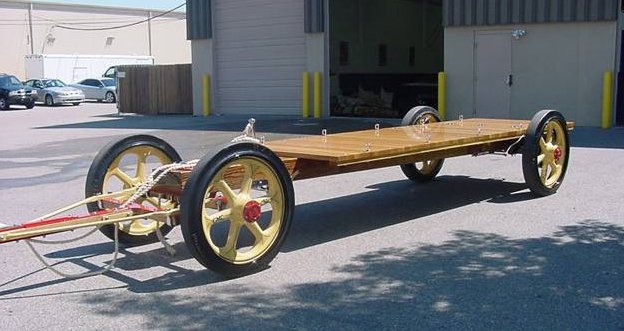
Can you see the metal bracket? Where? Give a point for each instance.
(249, 133)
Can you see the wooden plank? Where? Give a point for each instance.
(371, 144)
(350, 147)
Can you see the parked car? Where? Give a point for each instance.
(100, 89)
(13, 92)
(111, 72)
(54, 91)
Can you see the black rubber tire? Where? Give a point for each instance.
(4, 104)
(30, 105)
(531, 150)
(76, 103)
(192, 203)
(99, 168)
(49, 101)
(413, 117)
(110, 97)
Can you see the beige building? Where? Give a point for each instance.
(30, 27)
(379, 58)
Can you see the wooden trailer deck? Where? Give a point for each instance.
(363, 146)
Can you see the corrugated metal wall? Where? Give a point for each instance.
(314, 16)
(198, 19)
(496, 12)
(260, 55)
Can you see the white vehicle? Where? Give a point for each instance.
(75, 68)
(100, 89)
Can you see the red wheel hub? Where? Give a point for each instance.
(557, 154)
(252, 211)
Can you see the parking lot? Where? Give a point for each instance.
(370, 250)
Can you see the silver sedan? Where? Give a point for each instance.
(100, 89)
(53, 92)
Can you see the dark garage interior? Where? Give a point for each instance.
(384, 56)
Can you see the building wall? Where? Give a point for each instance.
(255, 55)
(169, 44)
(555, 66)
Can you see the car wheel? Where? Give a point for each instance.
(4, 105)
(76, 103)
(31, 105)
(49, 101)
(110, 97)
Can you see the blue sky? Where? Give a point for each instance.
(153, 4)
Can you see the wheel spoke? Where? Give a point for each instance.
(229, 250)
(549, 132)
(541, 158)
(140, 167)
(544, 172)
(247, 179)
(158, 203)
(224, 188)
(124, 177)
(263, 201)
(256, 231)
(217, 217)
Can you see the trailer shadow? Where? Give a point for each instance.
(390, 203)
(568, 280)
(315, 223)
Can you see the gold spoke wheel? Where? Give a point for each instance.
(234, 182)
(130, 168)
(236, 209)
(126, 163)
(546, 152)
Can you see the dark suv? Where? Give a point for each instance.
(13, 92)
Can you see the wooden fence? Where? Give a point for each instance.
(155, 89)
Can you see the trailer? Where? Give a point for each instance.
(235, 205)
(74, 68)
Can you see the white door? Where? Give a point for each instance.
(492, 74)
(260, 56)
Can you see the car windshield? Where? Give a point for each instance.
(54, 83)
(108, 82)
(10, 81)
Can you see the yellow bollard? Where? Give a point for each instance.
(206, 95)
(306, 94)
(442, 95)
(607, 99)
(317, 95)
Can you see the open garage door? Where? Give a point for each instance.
(384, 56)
(260, 56)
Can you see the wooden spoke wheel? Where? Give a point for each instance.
(426, 170)
(546, 152)
(124, 164)
(237, 208)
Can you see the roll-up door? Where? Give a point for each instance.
(260, 56)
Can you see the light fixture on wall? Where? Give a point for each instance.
(109, 40)
(50, 39)
(518, 33)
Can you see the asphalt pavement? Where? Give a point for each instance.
(472, 250)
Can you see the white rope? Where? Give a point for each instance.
(512, 145)
(154, 178)
(108, 267)
(168, 247)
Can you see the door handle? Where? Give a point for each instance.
(509, 80)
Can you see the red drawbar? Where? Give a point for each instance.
(136, 208)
